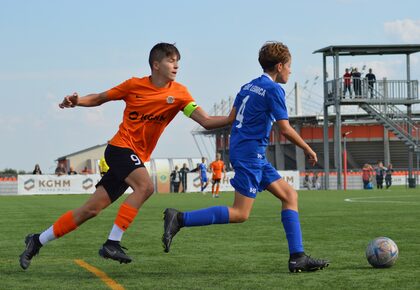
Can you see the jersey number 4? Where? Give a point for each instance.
(240, 115)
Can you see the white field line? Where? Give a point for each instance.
(377, 199)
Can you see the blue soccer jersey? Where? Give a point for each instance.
(258, 104)
(203, 170)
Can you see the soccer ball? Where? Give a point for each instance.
(382, 252)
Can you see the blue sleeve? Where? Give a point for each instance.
(276, 101)
(237, 102)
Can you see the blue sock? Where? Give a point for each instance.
(207, 216)
(291, 224)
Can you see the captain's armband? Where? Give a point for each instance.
(190, 108)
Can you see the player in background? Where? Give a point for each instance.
(151, 103)
(258, 104)
(217, 167)
(203, 174)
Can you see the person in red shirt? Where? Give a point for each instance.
(217, 167)
(151, 104)
(347, 82)
(367, 173)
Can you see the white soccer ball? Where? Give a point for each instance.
(382, 252)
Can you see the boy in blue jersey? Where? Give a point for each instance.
(258, 104)
(202, 171)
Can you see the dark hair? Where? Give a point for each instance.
(272, 53)
(162, 50)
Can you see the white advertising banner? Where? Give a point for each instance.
(193, 181)
(53, 184)
(398, 180)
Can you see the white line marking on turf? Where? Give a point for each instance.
(103, 276)
(376, 199)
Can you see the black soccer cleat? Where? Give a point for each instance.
(305, 263)
(113, 250)
(32, 249)
(171, 227)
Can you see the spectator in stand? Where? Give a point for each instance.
(367, 173)
(347, 83)
(71, 171)
(371, 79)
(380, 172)
(86, 170)
(357, 83)
(307, 181)
(60, 170)
(315, 181)
(388, 176)
(37, 170)
(184, 170)
(175, 179)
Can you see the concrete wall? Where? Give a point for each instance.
(87, 158)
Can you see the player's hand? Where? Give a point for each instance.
(70, 101)
(313, 159)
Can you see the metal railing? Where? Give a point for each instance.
(398, 119)
(380, 97)
(360, 88)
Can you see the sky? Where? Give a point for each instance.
(49, 49)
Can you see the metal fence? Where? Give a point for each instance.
(381, 89)
(8, 187)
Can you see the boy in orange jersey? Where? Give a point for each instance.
(151, 103)
(217, 167)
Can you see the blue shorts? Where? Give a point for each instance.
(203, 178)
(253, 176)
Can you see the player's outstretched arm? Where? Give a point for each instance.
(212, 122)
(295, 138)
(91, 100)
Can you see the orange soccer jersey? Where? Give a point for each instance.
(217, 168)
(147, 113)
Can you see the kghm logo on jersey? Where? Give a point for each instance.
(170, 100)
(135, 116)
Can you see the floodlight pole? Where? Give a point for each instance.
(345, 158)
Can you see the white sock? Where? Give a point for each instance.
(116, 234)
(47, 235)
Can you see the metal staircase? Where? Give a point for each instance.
(395, 120)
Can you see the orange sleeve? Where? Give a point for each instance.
(121, 91)
(186, 99)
